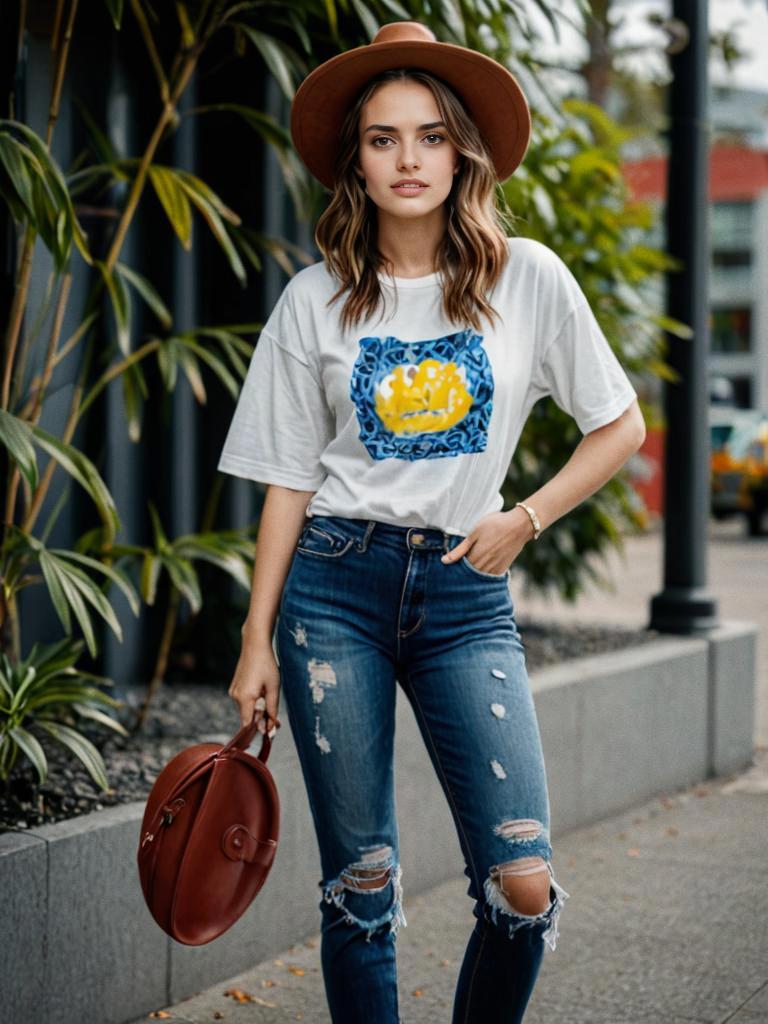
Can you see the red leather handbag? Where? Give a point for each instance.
(209, 836)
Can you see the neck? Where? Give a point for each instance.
(409, 246)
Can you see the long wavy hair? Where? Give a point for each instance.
(473, 251)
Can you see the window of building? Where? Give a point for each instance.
(742, 392)
(730, 329)
(731, 258)
(731, 225)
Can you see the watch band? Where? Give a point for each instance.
(533, 517)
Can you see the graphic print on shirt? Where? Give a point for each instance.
(423, 399)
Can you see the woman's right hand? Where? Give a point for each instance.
(256, 685)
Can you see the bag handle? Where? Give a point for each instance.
(244, 737)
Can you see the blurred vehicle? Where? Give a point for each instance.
(739, 464)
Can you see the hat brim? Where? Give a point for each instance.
(491, 93)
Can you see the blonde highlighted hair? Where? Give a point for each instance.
(473, 251)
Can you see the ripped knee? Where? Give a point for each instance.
(366, 878)
(525, 884)
(522, 892)
(376, 871)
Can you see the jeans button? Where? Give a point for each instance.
(417, 538)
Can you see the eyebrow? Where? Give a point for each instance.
(391, 127)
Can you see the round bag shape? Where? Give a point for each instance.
(209, 836)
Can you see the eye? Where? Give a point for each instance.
(434, 135)
(378, 139)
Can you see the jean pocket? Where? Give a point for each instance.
(483, 575)
(325, 541)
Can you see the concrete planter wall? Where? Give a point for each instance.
(79, 943)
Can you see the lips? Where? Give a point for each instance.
(409, 188)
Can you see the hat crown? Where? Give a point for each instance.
(404, 31)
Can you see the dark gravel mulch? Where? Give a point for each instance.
(188, 713)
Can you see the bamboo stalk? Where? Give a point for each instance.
(161, 663)
(25, 263)
(37, 407)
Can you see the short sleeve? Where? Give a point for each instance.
(582, 373)
(282, 423)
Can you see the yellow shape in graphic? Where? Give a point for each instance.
(423, 397)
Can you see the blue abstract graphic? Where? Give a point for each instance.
(423, 399)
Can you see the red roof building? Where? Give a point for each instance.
(736, 174)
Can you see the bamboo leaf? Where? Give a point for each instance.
(148, 292)
(83, 470)
(53, 179)
(11, 158)
(121, 305)
(275, 55)
(185, 580)
(81, 747)
(86, 711)
(210, 213)
(161, 541)
(134, 387)
(367, 20)
(56, 591)
(191, 369)
(187, 31)
(216, 365)
(113, 572)
(196, 186)
(31, 746)
(151, 566)
(115, 8)
(16, 435)
(228, 560)
(168, 363)
(174, 202)
(55, 576)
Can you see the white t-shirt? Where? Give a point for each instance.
(408, 418)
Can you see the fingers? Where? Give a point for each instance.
(267, 708)
(458, 552)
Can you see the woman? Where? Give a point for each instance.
(382, 405)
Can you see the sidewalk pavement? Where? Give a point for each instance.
(667, 923)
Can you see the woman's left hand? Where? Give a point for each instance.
(495, 542)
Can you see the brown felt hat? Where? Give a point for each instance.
(490, 92)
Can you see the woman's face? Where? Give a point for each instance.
(401, 136)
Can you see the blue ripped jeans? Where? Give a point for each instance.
(367, 605)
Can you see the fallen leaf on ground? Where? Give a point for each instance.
(239, 996)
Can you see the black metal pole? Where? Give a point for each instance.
(684, 606)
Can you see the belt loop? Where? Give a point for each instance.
(363, 545)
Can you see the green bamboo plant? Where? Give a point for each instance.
(42, 200)
(575, 199)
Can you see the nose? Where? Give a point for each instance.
(408, 156)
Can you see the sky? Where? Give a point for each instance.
(747, 18)
(751, 34)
